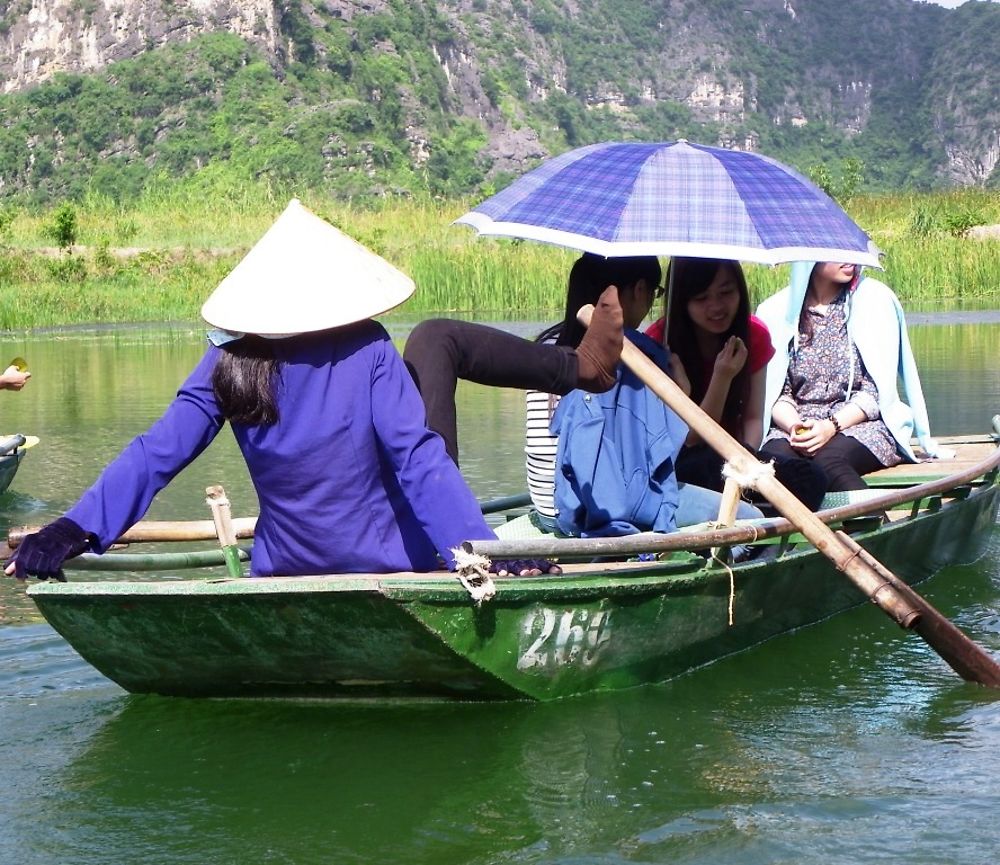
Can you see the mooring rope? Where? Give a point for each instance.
(474, 573)
(732, 582)
(745, 480)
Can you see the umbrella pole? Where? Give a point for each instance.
(668, 300)
(891, 594)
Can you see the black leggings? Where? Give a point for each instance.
(440, 351)
(702, 466)
(844, 460)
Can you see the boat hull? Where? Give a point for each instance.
(8, 468)
(410, 635)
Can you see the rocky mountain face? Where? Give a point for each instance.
(910, 89)
(43, 37)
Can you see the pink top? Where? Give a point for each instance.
(759, 351)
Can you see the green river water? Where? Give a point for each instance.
(847, 742)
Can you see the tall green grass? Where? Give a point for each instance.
(159, 259)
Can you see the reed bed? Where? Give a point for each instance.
(159, 259)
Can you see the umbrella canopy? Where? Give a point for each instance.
(674, 198)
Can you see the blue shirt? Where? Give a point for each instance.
(349, 479)
(617, 450)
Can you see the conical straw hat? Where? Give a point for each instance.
(304, 275)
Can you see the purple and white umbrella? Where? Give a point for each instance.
(674, 198)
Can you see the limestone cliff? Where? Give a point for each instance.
(47, 36)
(908, 88)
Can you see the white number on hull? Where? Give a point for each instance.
(562, 638)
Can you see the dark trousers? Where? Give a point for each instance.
(843, 459)
(440, 351)
(702, 466)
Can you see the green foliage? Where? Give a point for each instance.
(68, 269)
(62, 228)
(297, 28)
(7, 216)
(186, 235)
(945, 218)
(844, 186)
(923, 223)
(350, 105)
(102, 256)
(958, 224)
(455, 163)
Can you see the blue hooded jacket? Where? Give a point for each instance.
(616, 455)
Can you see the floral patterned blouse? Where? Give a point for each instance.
(818, 374)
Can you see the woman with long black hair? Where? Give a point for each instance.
(724, 351)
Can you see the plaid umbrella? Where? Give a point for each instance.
(674, 198)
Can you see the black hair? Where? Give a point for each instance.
(588, 278)
(245, 380)
(687, 278)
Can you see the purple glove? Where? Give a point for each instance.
(43, 553)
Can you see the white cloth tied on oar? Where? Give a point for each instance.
(474, 573)
(750, 479)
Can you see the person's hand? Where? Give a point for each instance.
(42, 554)
(809, 436)
(731, 359)
(523, 567)
(13, 378)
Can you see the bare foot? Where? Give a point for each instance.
(601, 346)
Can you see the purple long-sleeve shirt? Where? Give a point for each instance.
(348, 480)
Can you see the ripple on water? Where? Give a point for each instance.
(35, 660)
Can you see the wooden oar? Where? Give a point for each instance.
(156, 531)
(222, 516)
(885, 589)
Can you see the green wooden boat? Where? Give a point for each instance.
(598, 626)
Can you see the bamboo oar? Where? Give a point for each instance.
(155, 531)
(223, 519)
(150, 561)
(878, 583)
(546, 546)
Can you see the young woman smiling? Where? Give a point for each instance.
(724, 351)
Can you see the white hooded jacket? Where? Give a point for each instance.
(877, 326)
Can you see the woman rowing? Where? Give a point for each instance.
(348, 477)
